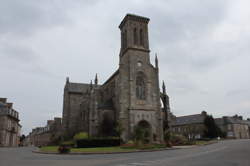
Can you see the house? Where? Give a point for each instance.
(191, 126)
(9, 124)
(234, 127)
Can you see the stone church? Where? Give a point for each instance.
(130, 97)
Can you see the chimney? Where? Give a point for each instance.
(204, 113)
(235, 116)
(50, 122)
(58, 120)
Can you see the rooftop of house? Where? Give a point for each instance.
(231, 120)
(189, 119)
(7, 110)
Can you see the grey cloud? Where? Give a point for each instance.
(182, 35)
(18, 52)
(23, 18)
(237, 92)
(21, 58)
(188, 20)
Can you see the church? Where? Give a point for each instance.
(130, 97)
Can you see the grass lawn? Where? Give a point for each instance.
(204, 142)
(49, 148)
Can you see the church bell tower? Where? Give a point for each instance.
(134, 33)
(139, 94)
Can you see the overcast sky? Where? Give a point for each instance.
(203, 49)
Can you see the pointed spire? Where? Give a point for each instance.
(96, 79)
(163, 87)
(156, 61)
(67, 79)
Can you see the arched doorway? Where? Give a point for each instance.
(143, 131)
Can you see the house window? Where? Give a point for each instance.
(125, 39)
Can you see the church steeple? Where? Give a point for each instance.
(156, 61)
(163, 88)
(96, 79)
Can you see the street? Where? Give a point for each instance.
(224, 153)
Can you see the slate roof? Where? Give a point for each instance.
(230, 120)
(190, 119)
(77, 87)
(112, 76)
(219, 121)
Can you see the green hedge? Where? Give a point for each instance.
(97, 142)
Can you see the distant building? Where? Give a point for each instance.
(248, 123)
(234, 127)
(191, 126)
(48, 135)
(9, 124)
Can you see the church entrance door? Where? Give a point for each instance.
(145, 129)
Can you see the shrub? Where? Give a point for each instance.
(212, 130)
(68, 143)
(176, 139)
(81, 135)
(63, 149)
(141, 135)
(130, 142)
(97, 142)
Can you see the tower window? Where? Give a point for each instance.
(125, 39)
(141, 37)
(140, 87)
(135, 36)
(122, 39)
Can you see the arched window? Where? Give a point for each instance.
(135, 36)
(140, 87)
(141, 38)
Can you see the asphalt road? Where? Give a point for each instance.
(224, 153)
